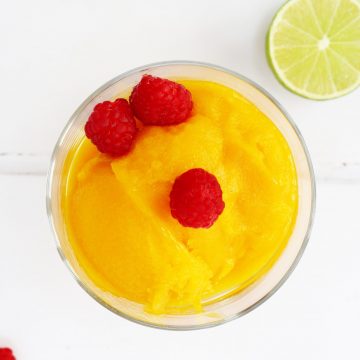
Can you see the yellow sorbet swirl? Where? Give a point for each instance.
(119, 222)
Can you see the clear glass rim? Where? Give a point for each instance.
(50, 183)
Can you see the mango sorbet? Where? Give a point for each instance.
(118, 217)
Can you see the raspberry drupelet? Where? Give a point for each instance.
(6, 354)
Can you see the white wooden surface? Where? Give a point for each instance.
(52, 55)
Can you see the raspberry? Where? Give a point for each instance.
(111, 127)
(157, 101)
(196, 199)
(6, 354)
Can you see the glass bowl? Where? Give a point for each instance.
(239, 303)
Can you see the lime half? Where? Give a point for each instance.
(313, 47)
